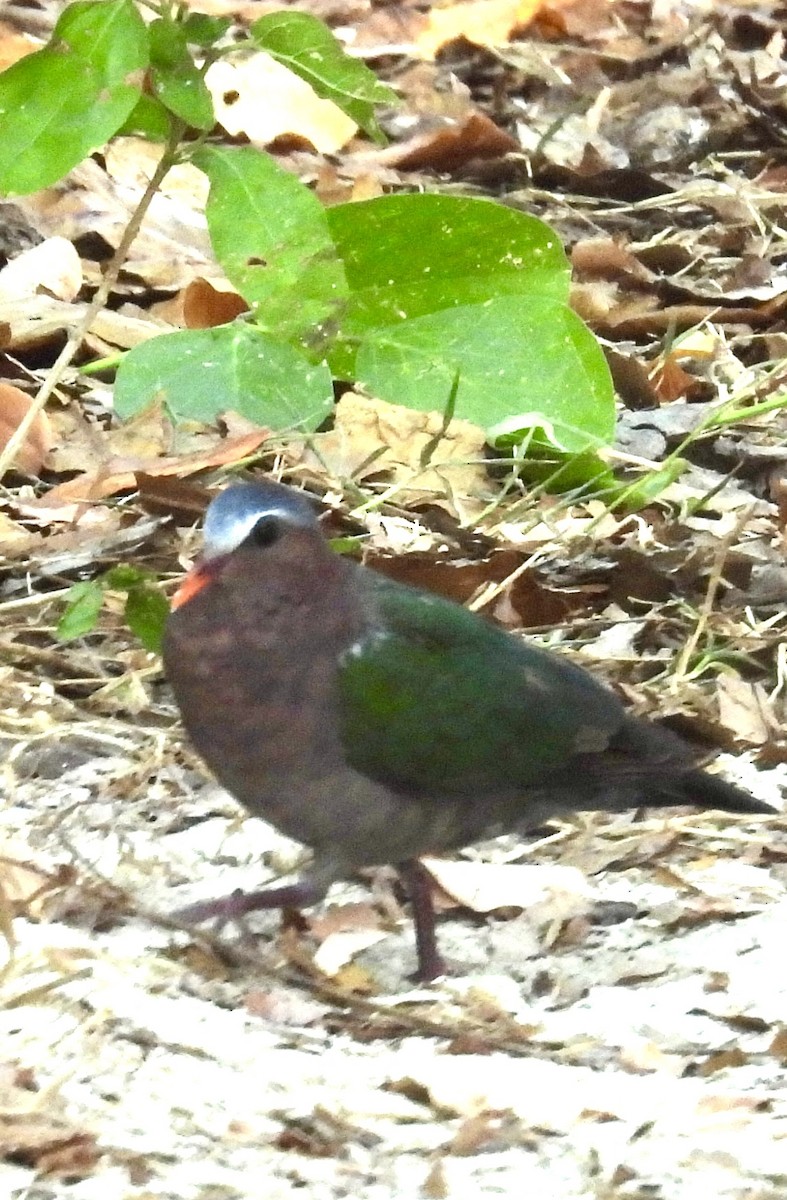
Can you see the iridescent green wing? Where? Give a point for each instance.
(435, 699)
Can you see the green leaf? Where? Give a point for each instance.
(202, 30)
(560, 473)
(63, 102)
(82, 607)
(203, 372)
(178, 84)
(125, 576)
(305, 45)
(149, 119)
(271, 236)
(524, 363)
(406, 256)
(147, 609)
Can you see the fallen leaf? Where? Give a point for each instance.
(452, 146)
(14, 407)
(743, 709)
(53, 266)
(340, 948)
(370, 436)
(550, 893)
(206, 304)
(482, 22)
(259, 97)
(65, 502)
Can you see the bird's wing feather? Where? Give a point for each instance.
(437, 701)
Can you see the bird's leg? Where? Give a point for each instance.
(308, 890)
(419, 884)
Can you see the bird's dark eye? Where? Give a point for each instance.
(267, 531)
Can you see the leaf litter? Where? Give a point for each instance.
(619, 1030)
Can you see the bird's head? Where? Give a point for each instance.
(262, 517)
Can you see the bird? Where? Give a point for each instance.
(377, 723)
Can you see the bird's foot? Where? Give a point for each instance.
(302, 894)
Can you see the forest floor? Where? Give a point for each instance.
(615, 1020)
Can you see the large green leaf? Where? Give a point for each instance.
(406, 256)
(271, 236)
(201, 373)
(522, 363)
(305, 45)
(63, 102)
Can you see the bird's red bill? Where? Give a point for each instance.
(197, 578)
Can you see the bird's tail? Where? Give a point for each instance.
(670, 776)
(711, 791)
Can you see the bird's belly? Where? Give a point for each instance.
(343, 814)
(279, 753)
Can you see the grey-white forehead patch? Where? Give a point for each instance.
(232, 515)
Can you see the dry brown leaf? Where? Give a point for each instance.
(14, 406)
(482, 22)
(258, 97)
(77, 443)
(513, 596)
(131, 161)
(647, 1056)
(53, 266)
(452, 146)
(427, 90)
(722, 1060)
(206, 304)
(147, 435)
(343, 931)
(66, 501)
(124, 329)
(355, 979)
(14, 535)
(339, 949)
(743, 709)
(608, 258)
(370, 437)
(173, 244)
(334, 188)
(672, 382)
(550, 892)
(778, 1047)
(558, 1097)
(36, 321)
